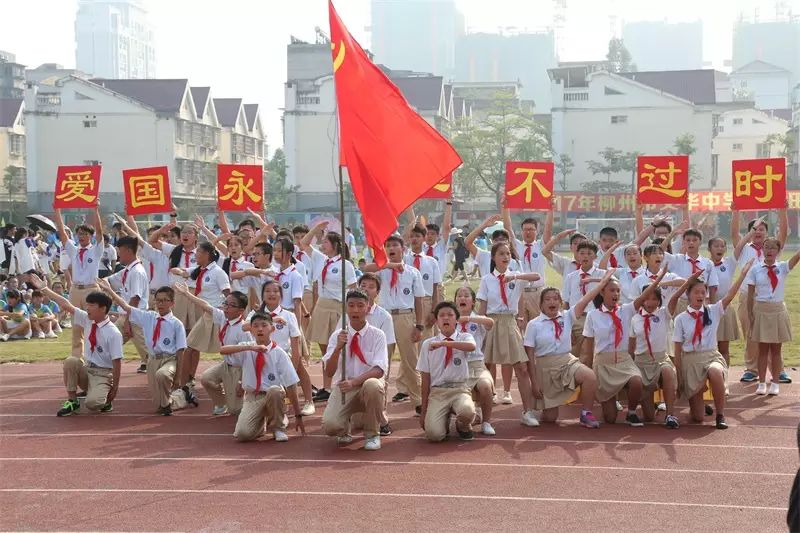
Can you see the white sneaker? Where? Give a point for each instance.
(506, 399)
(219, 410)
(494, 398)
(40, 334)
(308, 409)
(661, 407)
(478, 420)
(529, 419)
(4, 337)
(344, 440)
(619, 406)
(487, 429)
(761, 389)
(373, 443)
(57, 329)
(51, 335)
(280, 435)
(773, 389)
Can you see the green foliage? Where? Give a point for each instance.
(619, 57)
(277, 192)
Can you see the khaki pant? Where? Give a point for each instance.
(220, 381)
(529, 303)
(77, 297)
(95, 381)
(750, 347)
(257, 409)
(160, 374)
(427, 309)
(441, 402)
(138, 337)
(367, 399)
(577, 339)
(408, 380)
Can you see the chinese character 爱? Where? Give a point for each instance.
(75, 186)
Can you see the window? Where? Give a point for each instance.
(179, 164)
(609, 91)
(179, 131)
(619, 119)
(89, 123)
(743, 84)
(737, 147)
(721, 129)
(737, 121)
(16, 144)
(763, 150)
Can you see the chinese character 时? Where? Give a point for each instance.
(747, 183)
(236, 189)
(76, 185)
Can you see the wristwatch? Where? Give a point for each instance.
(420, 327)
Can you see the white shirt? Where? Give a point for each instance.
(627, 278)
(685, 326)
(109, 340)
(236, 265)
(284, 333)
(489, 292)
(433, 361)
(292, 284)
(109, 256)
(408, 287)
(540, 334)
(214, 282)
(278, 369)
(572, 285)
(536, 261)
(372, 342)
(84, 272)
(439, 251)
(331, 289)
(156, 266)
(22, 257)
(641, 283)
(308, 263)
(380, 318)
(749, 252)
(619, 255)
(166, 249)
(659, 330)
(681, 266)
(172, 335)
(600, 326)
(759, 277)
(428, 269)
(484, 260)
(230, 334)
(564, 265)
(136, 283)
(725, 271)
(299, 267)
(478, 332)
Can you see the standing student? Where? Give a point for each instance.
(483, 258)
(626, 275)
(235, 262)
(696, 357)
(183, 256)
(769, 320)
(262, 271)
(361, 389)
(292, 278)
(428, 268)
(562, 264)
(578, 284)
(437, 239)
(725, 268)
(531, 259)
(445, 371)
(685, 264)
(132, 282)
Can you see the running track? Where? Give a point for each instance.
(130, 470)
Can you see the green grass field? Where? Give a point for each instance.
(57, 349)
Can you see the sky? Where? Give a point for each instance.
(238, 47)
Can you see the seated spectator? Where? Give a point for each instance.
(42, 317)
(14, 318)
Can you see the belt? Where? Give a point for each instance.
(92, 365)
(532, 289)
(78, 286)
(401, 311)
(161, 355)
(451, 385)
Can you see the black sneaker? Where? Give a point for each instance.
(721, 424)
(68, 408)
(671, 422)
(386, 430)
(107, 408)
(466, 435)
(80, 394)
(709, 410)
(322, 395)
(418, 410)
(400, 397)
(634, 420)
(190, 396)
(164, 411)
(142, 369)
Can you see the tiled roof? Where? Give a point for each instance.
(165, 96)
(227, 111)
(9, 110)
(200, 97)
(696, 86)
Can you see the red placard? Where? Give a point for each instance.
(77, 187)
(759, 184)
(529, 185)
(662, 179)
(240, 187)
(147, 190)
(442, 190)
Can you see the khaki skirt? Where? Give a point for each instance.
(477, 373)
(503, 345)
(651, 367)
(613, 373)
(729, 328)
(555, 374)
(204, 336)
(325, 319)
(771, 323)
(694, 370)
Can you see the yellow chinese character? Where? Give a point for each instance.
(794, 200)
(236, 186)
(147, 190)
(608, 202)
(586, 202)
(665, 177)
(710, 201)
(625, 203)
(746, 181)
(528, 183)
(75, 186)
(694, 200)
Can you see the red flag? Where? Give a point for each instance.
(393, 156)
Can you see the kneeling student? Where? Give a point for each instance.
(444, 368)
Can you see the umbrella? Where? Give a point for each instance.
(42, 222)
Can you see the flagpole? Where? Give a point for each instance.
(344, 281)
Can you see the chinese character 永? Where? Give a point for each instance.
(76, 185)
(746, 181)
(147, 190)
(665, 178)
(236, 189)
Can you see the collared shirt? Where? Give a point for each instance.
(23, 256)
(109, 340)
(564, 265)
(372, 342)
(434, 361)
(401, 296)
(725, 271)
(284, 333)
(600, 326)
(758, 276)
(627, 279)
(440, 250)
(750, 252)
(681, 266)
(572, 285)
(172, 335)
(236, 265)
(301, 269)
(489, 291)
(233, 334)
(685, 328)
(215, 281)
(478, 332)
(428, 269)
(659, 330)
(84, 272)
(380, 318)
(156, 265)
(619, 255)
(540, 334)
(532, 262)
(278, 368)
(136, 283)
(167, 249)
(331, 289)
(643, 281)
(484, 260)
(308, 263)
(292, 285)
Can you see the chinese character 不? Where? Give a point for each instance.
(75, 185)
(665, 177)
(528, 183)
(147, 190)
(746, 181)
(237, 188)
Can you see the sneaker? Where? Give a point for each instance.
(4, 337)
(57, 329)
(761, 389)
(487, 429)
(219, 410)
(107, 408)
(494, 398)
(40, 335)
(588, 420)
(634, 420)
(506, 398)
(661, 407)
(386, 430)
(418, 410)
(68, 408)
(671, 422)
(618, 406)
(51, 335)
(280, 435)
(400, 397)
(373, 443)
(191, 397)
(721, 424)
(773, 389)
(142, 369)
(322, 395)
(66, 324)
(466, 435)
(709, 410)
(784, 377)
(749, 377)
(344, 440)
(529, 419)
(81, 394)
(308, 409)
(164, 411)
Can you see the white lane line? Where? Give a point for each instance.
(401, 495)
(399, 463)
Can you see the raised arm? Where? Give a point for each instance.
(469, 242)
(794, 259)
(673, 302)
(607, 256)
(98, 224)
(746, 238)
(736, 232)
(506, 212)
(586, 299)
(677, 230)
(547, 234)
(231, 349)
(155, 237)
(547, 250)
(199, 302)
(737, 284)
(62, 233)
(305, 242)
(639, 217)
(783, 225)
(411, 220)
(119, 300)
(448, 219)
(638, 302)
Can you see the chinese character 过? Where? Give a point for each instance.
(665, 178)
(236, 189)
(528, 183)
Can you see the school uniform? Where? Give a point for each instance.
(531, 259)
(484, 260)
(652, 334)
(211, 284)
(503, 343)
(729, 329)
(327, 315)
(627, 283)
(699, 347)
(431, 275)
(21, 309)
(85, 263)
(573, 291)
(164, 336)
(308, 293)
(616, 260)
(264, 391)
(771, 319)
(684, 266)
(108, 260)
(366, 349)
(564, 265)
(220, 380)
(94, 373)
(478, 373)
(439, 252)
(235, 265)
(184, 310)
(156, 265)
(131, 282)
(751, 347)
(449, 372)
(610, 329)
(22, 258)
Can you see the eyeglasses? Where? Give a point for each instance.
(226, 304)
(163, 301)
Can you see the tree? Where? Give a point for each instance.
(564, 166)
(605, 187)
(277, 192)
(619, 57)
(684, 145)
(630, 162)
(612, 162)
(12, 186)
(783, 141)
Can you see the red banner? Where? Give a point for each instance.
(77, 187)
(662, 179)
(240, 187)
(759, 184)
(147, 190)
(442, 190)
(529, 185)
(717, 201)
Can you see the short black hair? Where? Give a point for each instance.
(587, 245)
(356, 294)
(247, 222)
(712, 240)
(395, 238)
(691, 232)
(500, 233)
(530, 220)
(432, 227)
(169, 291)
(370, 276)
(650, 249)
(752, 223)
(241, 299)
(448, 305)
(575, 236)
(608, 230)
(265, 248)
(100, 298)
(419, 230)
(261, 315)
(663, 224)
(13, 293)
(86, 228)
(36, 293)
(131, 243)
(176, 231)
(302, 228)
